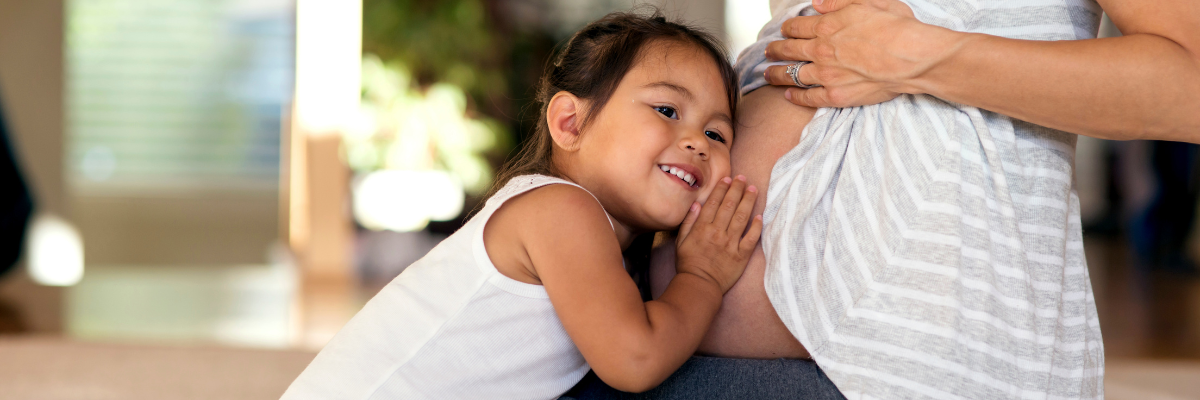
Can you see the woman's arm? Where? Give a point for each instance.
(631, 345)
(1144, 85)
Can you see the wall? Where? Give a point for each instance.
(31, 81)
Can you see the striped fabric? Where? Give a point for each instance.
(924, 249)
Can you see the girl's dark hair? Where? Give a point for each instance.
(591, 67)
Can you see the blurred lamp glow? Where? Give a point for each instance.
(55, 251)
(328, 64)
(404, 201)
(743, 20)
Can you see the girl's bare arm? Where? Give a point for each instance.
(631, 345)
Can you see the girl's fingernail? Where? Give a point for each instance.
(765, 76)
(726, 180)
(695, 206)
(818, 2)
(751, 189)
(758, 217)
(741, 178)
(787, 94)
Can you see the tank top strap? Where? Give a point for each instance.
(525, 183)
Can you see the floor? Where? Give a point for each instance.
(1150, 320)
(1143, 313)
(41, 368)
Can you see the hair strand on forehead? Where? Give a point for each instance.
(591, 66)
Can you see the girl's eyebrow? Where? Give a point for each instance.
(723, 117)
(687, 94)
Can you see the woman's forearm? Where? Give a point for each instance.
(1140, 86)
(1145, 85)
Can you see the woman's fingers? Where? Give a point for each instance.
(709, 211)
(862, 52)
(815, 97)
(741, 217)
(839, 95)
(793, 50)
(777, 75)
(828, 6)
(729, 205)
(801, 27)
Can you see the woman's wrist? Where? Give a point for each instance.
(941, 50)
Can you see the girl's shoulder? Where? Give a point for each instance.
(544, 208)
(544, 222)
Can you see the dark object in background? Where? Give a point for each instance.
(15, 203)
(1159, 232)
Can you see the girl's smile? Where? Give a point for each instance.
(659, 144)
(685, 174)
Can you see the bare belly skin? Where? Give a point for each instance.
(747, 326)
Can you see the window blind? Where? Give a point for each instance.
(168, 94)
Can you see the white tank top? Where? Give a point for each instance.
(451, 327)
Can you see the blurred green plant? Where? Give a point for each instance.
(426, 64)
(405, 127)
(451, 41)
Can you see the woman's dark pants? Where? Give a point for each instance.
(725, 378)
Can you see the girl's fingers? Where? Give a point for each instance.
(714, 201)
(741, 217)
(730, 204)
(688, 221)
(751, 239)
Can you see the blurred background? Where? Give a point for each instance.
(195, 195)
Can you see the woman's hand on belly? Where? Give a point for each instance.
(747, 326)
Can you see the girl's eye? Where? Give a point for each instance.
(714, 136)
(667, 111)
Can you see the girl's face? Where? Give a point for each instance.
(661, 142)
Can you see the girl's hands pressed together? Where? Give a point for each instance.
(713, 242)
(862, 52)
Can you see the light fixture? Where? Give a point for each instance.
(405, 201)
(54, 251)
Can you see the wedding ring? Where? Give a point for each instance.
(794, 72)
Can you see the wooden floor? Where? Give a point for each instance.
(1144, 313)
(42, 368)
(1150, 321)
(47, 368)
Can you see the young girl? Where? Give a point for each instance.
(634, 135)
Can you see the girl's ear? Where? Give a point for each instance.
(564, 116)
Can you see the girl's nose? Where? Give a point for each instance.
(696, 144)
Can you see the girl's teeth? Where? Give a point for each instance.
(681, 174)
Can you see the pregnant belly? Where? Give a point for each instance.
(747, 326)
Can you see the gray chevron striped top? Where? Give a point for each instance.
(925, 249)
